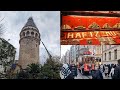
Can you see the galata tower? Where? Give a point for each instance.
(29, 44)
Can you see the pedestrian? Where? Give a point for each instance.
(92, 68)
(109, 69)
(73, 69)
(66, 72)
(112, 71)
(106, 70)
(101, 68)
(97, 73)
(116, 74)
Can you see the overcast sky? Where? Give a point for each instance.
(48, 23)
(64, 48)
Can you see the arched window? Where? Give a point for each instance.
(23, 33)
(27, 33)
(32, 33)
(36, 35)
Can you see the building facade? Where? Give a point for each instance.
(67, 57)
(98, 52)
(111, 53)
(29, 44)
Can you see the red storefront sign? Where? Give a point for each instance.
(87, 53)
(94, 30)
(86, 21)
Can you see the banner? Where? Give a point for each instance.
(90, 30)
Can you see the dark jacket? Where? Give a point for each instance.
(97, 74)
(116, 74)
(73, 70)
(70, 76)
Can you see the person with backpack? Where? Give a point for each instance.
(66, 72)
(97, 74)
(116, 74)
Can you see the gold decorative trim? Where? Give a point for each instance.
(94, 25)
(106, 26)
(66, 26)
(117, 25)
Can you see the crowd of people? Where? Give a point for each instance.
(113, 71)
(69, 71)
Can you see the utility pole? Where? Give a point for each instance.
(50, 56)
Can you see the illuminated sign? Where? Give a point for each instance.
(87, 53)
(95, 34)
(90, 30)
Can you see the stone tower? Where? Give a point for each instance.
(29, 44)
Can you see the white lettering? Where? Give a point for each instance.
(70, 35)
(78, 35)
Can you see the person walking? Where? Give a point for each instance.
(116, 74)
(101, 68)
(112, 71)
(66, 72)
(106, 70)
(73, 69)
(97, 74)
(109, 69)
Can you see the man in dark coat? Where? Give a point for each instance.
(73, 69)
(116, 74)
(109, 69)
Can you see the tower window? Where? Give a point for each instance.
(27, 33)
(32, 33)
(23, 33)
(36, 35)
(36, 45)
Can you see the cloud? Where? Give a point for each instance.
(48, 23)
(64, 48)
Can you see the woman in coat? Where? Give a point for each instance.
(97, 74)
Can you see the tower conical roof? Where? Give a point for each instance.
(30, 22)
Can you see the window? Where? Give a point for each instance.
(115, 54)
(109, 55)
(105, 56)
(23, 33)
(32, 33)
(27, 33)
(36, 35)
